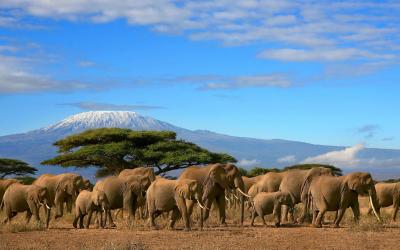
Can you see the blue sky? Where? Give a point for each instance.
(323, 72)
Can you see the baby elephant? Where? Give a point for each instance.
(267, 203)
(88, 202)
(20, 198)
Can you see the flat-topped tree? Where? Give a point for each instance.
(115, 149)
(15, 167)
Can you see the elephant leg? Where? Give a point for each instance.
(395, 210)
(208, 204)
(355, 207)
(174, 216)
(75, 223)
(181, 202)
(28, 216)
(285, 213)
(81, 216)
(221, 208)
(112, 224)
(315, 214)
(153, 214)
(320, 216)
(10, 216)
(253, 217)
(89, 218)
(340, 214)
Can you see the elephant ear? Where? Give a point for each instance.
(354, 181)
(183, 189)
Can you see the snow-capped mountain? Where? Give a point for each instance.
(36, 146)
(109, 119)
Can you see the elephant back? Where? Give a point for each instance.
(199, 174)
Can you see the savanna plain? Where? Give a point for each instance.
(367, 234)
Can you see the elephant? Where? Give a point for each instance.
(388, 194)
(20, 198)
(87, 185)
(337, 193)
(166, 195)
(88, 202)
(214, 179)
(297, 182)
(4, 184)
(123, 192)
(140, 171)
(61, 188)
(267, 203)
(268, 182)
(250, 181)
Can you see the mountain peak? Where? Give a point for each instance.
(107, 119)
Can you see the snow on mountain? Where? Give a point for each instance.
(108, 119)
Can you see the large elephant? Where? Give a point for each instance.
(297, 182)
(140, 171)
(388, 194)
(123, 192)
(20, 198)
(4, 184)
(337, 193)
(165, 195)
(214, 179)
(62, 188)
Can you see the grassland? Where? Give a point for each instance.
(368, 234)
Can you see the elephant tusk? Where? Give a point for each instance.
(201, 206)
(47, 206)
(373, 209)
(243, 193)
(226, 198)
(235, 196)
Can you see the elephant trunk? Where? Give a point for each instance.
(239, 184)
(374, 201)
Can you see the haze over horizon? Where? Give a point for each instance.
(323, 73)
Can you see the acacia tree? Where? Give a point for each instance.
(113, 149)
(15, 167)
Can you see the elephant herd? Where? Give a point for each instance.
(317, 189)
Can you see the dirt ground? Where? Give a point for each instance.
(368, 234)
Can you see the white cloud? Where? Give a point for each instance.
(294, 28)
(345, 157)
(348, 158)
(109, 106)
(248, 163)
(332, 54)
(86, 64)
(287, 159)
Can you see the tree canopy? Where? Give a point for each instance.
(257, 171)
(115, 149)
(15, 167)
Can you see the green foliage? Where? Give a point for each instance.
(257, 171)
(115, 149)
(26, 180)
(336, 171)
(391, 180)
(15, 167)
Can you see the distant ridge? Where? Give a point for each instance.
(36, 146)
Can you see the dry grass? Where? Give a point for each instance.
(140, 236)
